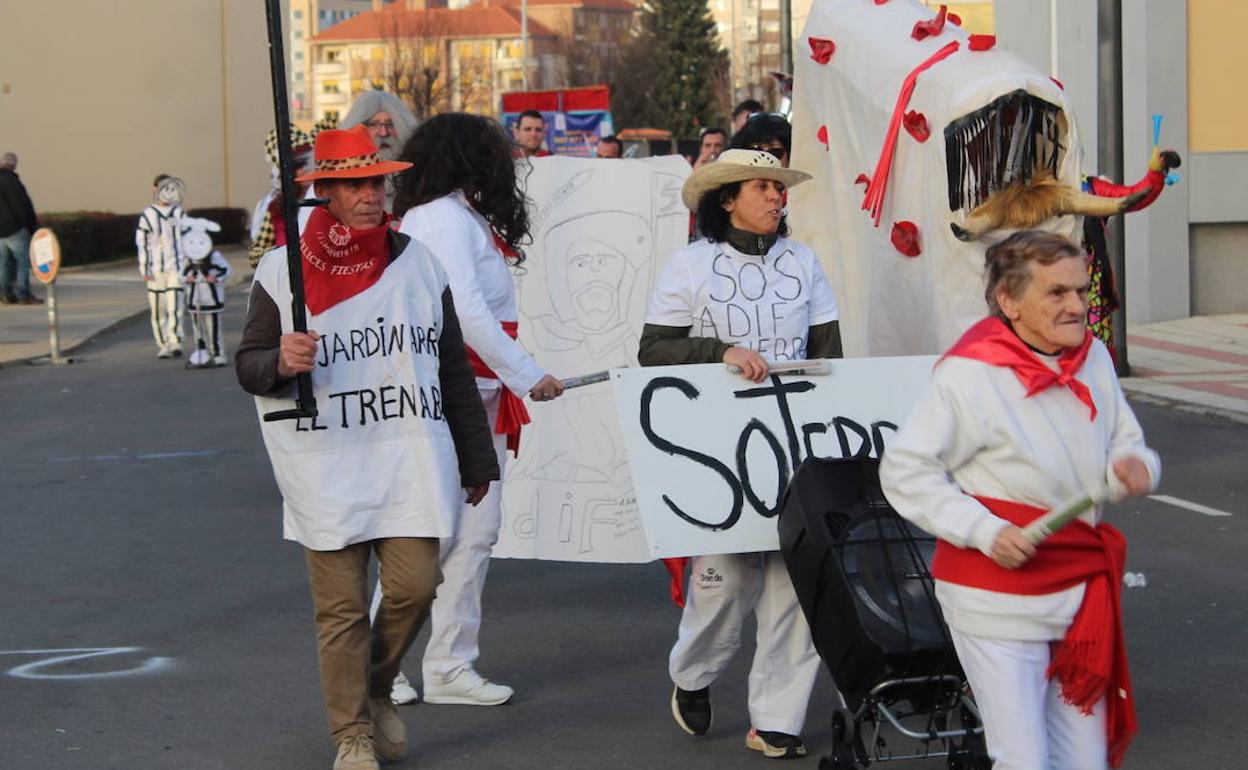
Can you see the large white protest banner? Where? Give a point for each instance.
(601, 230)
(711, 453)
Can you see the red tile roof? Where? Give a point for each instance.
(473, 21)
(605, 5)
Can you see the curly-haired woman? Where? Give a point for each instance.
(461, 199)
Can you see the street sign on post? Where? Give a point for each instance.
(45, 263)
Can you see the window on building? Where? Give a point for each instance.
(298, 55)
(298, 34)
(298, 76)
(333, 56)
(330, 87)
(331, 115)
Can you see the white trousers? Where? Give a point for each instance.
(455, 618)
(164, 301)
(723, 590)
(1026, 723)
(207, 327)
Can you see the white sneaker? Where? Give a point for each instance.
(220, 361)
(164, 352)
(468, 688)
(402, 692)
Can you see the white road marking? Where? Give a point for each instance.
(146, 456)
(1197, 507)
(56, 657)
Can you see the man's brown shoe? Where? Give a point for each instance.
(30, 299)
(389, 732)
(356, 753)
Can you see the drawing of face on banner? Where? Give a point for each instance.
(597, 237)
(593, 265)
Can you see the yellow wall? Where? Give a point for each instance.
(977, 17)
(98, 98)
(1217, 75)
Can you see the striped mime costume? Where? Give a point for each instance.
(206, 300)
(161, 261)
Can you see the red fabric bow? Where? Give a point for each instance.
(512, 414)
(863, 179)
(821, 49)
(822, 136)
(993, 342)
(905, 238)
(916, 124)
(932, 27)
(339, 261)
(1090, 662)
(981, 42)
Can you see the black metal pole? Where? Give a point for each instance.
(305, 401)
(1110, 159)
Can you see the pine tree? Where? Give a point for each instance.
(679, 50)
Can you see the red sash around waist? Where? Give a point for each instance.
(1091, 660)
(512, 415)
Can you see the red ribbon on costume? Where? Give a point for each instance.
(339, 261)
(874, 199)
(512, 414)
(676, 570)
(1153, 181)
(1090, 662)
(993, 342)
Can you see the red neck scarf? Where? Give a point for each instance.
(1090, 662)
(339, 261)
(993, 342)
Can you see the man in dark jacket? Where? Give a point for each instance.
(17, 223)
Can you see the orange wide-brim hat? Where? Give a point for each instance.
(348, 154)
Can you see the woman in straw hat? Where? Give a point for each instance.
(747, 295)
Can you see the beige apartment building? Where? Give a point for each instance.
(305, 20)
(97, 98)
(441, 56)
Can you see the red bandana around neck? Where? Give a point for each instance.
(993, 342)
(339, 261)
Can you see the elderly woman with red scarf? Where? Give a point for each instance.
(1024, 413)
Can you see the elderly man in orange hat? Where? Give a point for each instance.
(399, 441)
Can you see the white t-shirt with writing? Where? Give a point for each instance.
(378, 460)
(766, 303)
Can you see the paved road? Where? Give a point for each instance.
(138, 511)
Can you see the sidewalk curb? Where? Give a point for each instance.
(115, 325)
(1190, 407)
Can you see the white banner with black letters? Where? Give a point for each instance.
(710, 453)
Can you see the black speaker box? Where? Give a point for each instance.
(862, 576)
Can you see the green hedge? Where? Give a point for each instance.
(102, 236)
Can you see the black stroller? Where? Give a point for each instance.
(862, 576)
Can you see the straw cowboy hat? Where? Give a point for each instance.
(349, 154)
(737, 166)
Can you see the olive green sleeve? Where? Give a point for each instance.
(669, 345)
(824, 341)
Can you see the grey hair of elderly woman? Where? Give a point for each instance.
(370, 103)
(1007, 265)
